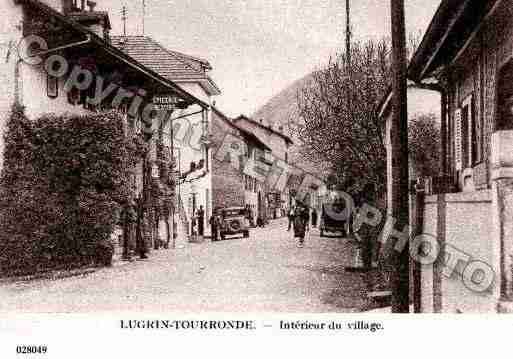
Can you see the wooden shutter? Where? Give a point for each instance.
(458, 140)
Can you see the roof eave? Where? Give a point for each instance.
(449, 15)
(287, 139)
(117, 53)
(248, 135)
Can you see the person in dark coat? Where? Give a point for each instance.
(214, 224)
(301, 223)
(290, 216)
(314, 218)
(201, 221)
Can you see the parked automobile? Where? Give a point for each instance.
(330, 221)
(232, 221)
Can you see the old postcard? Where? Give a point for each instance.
(252, 167)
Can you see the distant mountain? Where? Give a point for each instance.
(282, 110)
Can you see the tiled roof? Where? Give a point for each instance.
(244, 133)
(170, 64)
(287, 139)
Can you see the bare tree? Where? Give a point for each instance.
(338, 119)
(425, 144)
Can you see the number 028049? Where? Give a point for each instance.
(31, 349)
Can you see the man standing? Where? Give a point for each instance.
(301, 223)
(214, 224)
(201, 221)
(314, 217)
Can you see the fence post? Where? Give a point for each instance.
(420, 197)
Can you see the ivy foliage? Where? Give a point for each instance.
(64, 180)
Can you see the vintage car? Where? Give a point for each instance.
(232, 221)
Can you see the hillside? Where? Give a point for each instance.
(282, 110)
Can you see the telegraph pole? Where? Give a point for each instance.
(143, 15)
(399, 142)
(348, 34)
(123, 18)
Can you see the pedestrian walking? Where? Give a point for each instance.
(214, 224)
(201, 221)
(193, 224)
(301, 224)
(314, 218)
(290, 216)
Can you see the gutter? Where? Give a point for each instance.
(74, 44)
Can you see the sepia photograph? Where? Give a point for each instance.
(291, 157)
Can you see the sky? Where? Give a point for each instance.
(259, 47)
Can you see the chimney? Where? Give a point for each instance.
(91, 5)
(96, 21)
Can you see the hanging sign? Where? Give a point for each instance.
(164, 103)
(458, 145)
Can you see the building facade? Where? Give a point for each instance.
(234, 149)
(272, 203)
(468, 53)
(190, 129)
(80, 37)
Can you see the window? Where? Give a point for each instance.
(467, 136)
(52, 86)
(471, 132)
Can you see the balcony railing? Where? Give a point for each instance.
(437, 185)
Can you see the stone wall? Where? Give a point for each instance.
(461, 222)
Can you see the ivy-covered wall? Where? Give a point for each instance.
(64, 181)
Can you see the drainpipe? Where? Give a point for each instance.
(17, 79)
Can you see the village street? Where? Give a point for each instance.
(266, 272)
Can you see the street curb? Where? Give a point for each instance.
(55, 275)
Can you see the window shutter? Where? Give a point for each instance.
(476, 117)
(458, 144)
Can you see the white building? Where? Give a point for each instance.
(191, 127)
(80, 36)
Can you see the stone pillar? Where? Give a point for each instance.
(502, 208)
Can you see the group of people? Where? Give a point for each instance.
(299, 220)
